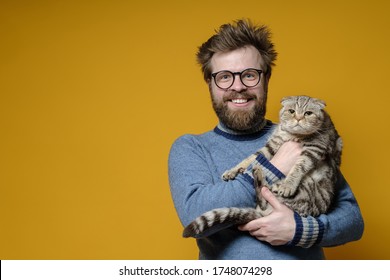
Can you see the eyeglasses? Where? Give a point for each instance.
(225, 79)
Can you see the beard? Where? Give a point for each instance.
(240, 120)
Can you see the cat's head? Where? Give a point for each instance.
(301, 115)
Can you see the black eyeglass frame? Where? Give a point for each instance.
(234, 77)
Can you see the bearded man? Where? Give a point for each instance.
(237, 63)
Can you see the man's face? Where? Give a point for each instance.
(239, 107)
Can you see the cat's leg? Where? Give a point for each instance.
(288, 187)
(263, 207)
(239, 168)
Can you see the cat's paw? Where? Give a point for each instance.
(283, 190)
(231, 174)
(258, 175)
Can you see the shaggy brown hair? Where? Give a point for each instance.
(233, 36)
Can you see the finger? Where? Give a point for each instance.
(257, 234)
(251, 226)
(271, 198)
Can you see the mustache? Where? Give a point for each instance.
(236, 95)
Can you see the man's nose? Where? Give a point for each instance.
(237, 84)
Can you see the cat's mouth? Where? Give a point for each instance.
(299, 129)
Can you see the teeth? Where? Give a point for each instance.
(239, 101)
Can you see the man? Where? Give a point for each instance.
(237, 63)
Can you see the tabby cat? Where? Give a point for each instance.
(308, 188)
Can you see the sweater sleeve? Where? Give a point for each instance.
(272, 174)
(308, 231)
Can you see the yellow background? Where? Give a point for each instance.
(93, 93)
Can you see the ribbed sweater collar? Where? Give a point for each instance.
(226, 132)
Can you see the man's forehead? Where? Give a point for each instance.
(237, 60)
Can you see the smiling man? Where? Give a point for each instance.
(239, 102)
(237, 63)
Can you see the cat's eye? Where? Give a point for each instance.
(308, 113)
(291, 111)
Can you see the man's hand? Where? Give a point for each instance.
(278, 228)
(286, 156)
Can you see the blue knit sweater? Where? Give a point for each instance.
(196, 163)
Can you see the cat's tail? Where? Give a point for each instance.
(218, 219)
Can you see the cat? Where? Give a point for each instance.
(308, 188)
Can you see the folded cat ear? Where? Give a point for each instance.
(321, 103)
(286, 99)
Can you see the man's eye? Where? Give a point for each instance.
(224, 77)
(250, 75)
